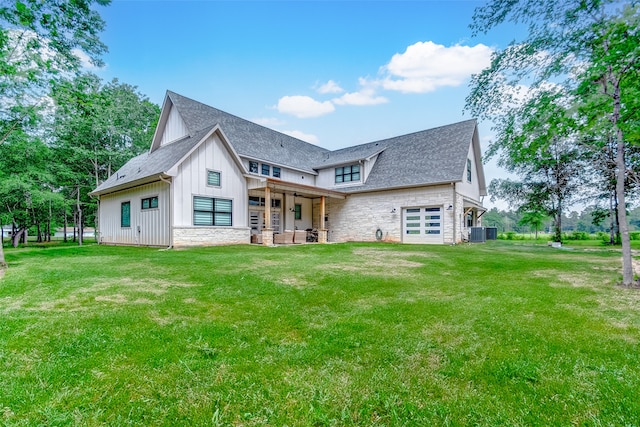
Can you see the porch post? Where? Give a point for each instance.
(322, 232)
(267, 232)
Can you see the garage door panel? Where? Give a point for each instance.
(422, 225)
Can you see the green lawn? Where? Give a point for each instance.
(325, 335)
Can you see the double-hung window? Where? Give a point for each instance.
(276, 172)
(210, 211)
(125, 214)
(253, 167)
(347, 174)
(468, 170)
(266, 169)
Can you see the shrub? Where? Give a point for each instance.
(634, 235)
(577, 235)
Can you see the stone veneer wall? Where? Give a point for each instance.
(210, 236)
(359, 216)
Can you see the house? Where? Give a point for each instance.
(211, 178)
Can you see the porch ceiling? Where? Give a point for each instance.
(293, 188)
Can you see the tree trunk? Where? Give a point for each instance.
(39, 233)
(3, 263)
(19, 235)
(80, 231)
(65, 225)
(623, 226)
(621, 173)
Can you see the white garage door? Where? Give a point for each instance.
(422, 225)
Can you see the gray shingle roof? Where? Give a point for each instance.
(247, 138)
(428, 157)
(155, 163)
(431, 156)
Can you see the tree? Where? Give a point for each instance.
(97, 128)
(39, 42)
(584, 47)
(533, 219)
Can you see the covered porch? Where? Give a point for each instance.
(288, 213)
(473, 212)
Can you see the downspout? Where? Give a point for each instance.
(170, 209)
(455, 219)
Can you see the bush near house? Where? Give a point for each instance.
(501, 333)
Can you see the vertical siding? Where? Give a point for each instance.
(470, 189)
(149, 227)
(174, 129)
(192, 180)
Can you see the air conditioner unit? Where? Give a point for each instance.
(492, 233)
(477, 235)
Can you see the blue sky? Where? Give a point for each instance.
(334, 73)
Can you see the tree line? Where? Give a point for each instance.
(590, 221)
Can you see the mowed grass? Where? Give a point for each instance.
(318, 335)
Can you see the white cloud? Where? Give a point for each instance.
(85, 61)
(427, 66)
(330, 87)
(304, 106)
(313, 139)
(268, 121)
(363, 97)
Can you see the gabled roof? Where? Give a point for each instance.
(427, 157)
(247, 138)
(432, 156)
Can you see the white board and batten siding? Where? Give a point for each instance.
(148, 227)
(175, 128)
(191, 181)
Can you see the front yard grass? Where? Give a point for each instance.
(340, 334)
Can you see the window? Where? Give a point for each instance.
(125, 214)
(265, 169)
(150, 203)
(208, 211)
(276, 172)
(259, 201)
(298, 211)
(253, 167)
(213, 178)
(468, 170)
(348, 174)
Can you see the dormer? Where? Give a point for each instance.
(348, 169)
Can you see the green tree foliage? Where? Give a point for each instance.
(40, 42)
(566, 84)
(97, 128)
(534, 219)
(27, 186)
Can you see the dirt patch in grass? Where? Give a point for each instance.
(152, 286)
(294, 281)
(381, 262)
